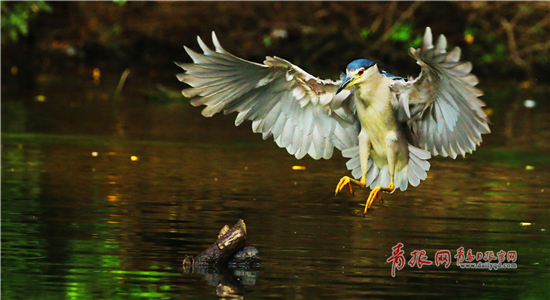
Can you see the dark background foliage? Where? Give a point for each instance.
(502, 39)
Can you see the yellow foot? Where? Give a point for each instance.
(375, 194)
(346, 180)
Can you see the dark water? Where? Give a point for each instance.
(79, 226)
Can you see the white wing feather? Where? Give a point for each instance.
(441, 105)
(301, 112)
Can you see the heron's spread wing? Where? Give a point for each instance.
(301, 112)
(441, 105)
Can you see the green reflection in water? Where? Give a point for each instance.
(512, 158)
(23, 250)
(41, 263)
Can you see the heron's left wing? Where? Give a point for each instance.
(301, 112)
(441, 105)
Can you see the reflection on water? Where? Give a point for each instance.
(83, 226)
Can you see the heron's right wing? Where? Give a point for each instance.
(301, 112)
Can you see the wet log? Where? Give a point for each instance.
(229, 242)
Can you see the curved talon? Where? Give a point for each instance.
(375, 193)
(347, 180)
(343, 181)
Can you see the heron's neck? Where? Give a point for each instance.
(376, 89)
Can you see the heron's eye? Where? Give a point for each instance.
(361, 72)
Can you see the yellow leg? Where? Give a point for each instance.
(375, 193)
(346, 180)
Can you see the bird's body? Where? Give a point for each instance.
(374, 108)
(387, 125)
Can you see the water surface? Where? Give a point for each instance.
(102, 198)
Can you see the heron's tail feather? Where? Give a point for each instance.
(418, 166)
(412, 173)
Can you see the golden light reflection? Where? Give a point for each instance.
(526, 84)
(134, 158)
(296, 168)
(469, 38)
(112, 198)
(114, 217)
(96, 75)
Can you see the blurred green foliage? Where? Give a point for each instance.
(402, 33)
(17, 15)
(267, 41)
(471, 31)
(120, 2)
(364, 33)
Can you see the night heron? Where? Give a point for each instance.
(387, 125)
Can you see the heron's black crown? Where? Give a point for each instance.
(360, 63)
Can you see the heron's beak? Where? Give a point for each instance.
(347, 82)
